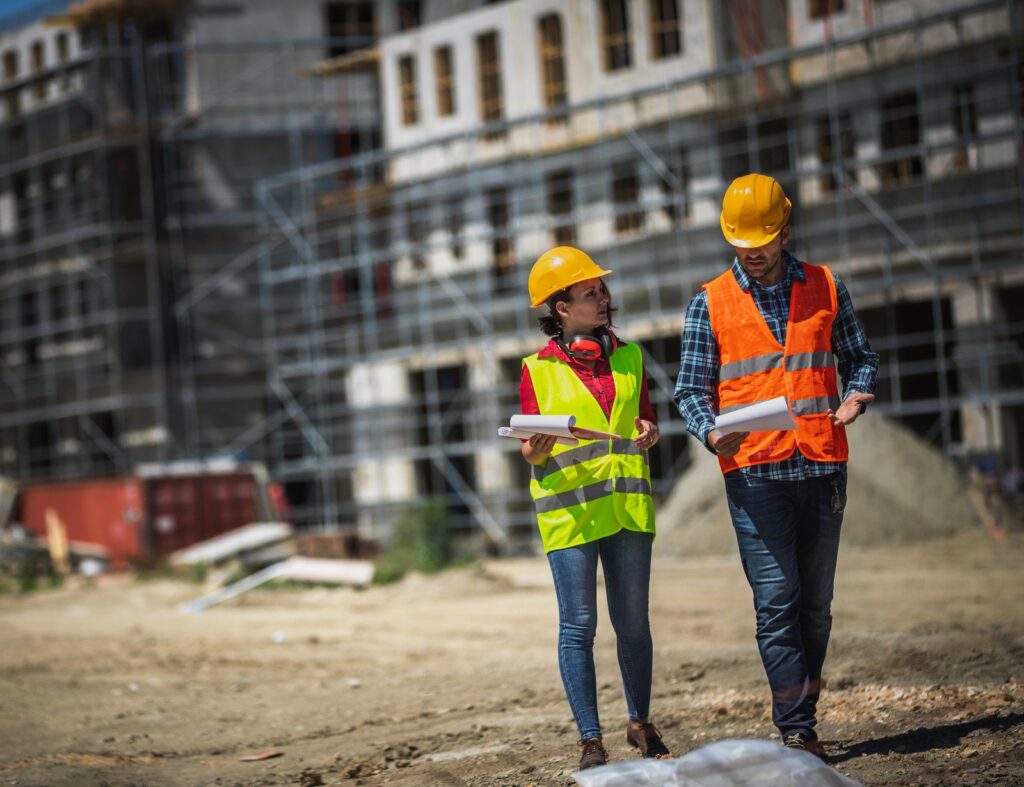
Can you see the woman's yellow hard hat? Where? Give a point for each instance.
(558, 268)
(754, 211)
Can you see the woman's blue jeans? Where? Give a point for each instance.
(788, 535)
(626, 561)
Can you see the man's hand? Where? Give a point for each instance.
(648, 436)
(537, 449)
(850, 409)
(726, 444)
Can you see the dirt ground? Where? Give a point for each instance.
(452, 679)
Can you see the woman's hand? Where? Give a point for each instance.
(538, 448)
(649, 434)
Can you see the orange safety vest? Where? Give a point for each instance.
(754, 367)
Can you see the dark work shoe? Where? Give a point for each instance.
(647, 739)
(798, 740)
(593, 753)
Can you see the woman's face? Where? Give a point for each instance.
(588, 307)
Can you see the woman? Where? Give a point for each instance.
(593, 500)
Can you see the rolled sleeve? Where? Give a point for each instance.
(698, 370)
(856, 361)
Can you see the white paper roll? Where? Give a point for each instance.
(768, 416)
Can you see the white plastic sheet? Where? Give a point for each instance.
(728, 763)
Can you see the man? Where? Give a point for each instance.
(773, 326)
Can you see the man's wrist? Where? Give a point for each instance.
(705, 433)
(849, 393)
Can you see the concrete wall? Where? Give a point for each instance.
(20, 43)
(864, 15)
(592, 198)
(516, 24)
(250, 70)
(943, 152)
(371, 388)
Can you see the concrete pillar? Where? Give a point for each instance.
(382, 475)
(976, 310)
(492, 469)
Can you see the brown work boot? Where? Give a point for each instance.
(593, 753)
(797, 740)
(644, 736)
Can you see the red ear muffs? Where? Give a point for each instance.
(586, 348)
(590, 348)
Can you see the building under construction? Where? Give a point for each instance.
(301, 234)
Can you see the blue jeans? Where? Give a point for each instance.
(788, 535)
(626, 560)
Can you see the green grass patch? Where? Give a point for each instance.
(422, 542)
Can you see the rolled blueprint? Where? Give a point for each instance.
(558, 425)
(526, 434)
(768, 416)
(561, 426)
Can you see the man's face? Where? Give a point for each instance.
(764, 264)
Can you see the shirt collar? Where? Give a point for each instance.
(793, 271)
(555, 349)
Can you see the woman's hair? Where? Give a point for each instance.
(551, 324)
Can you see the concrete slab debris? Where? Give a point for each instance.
(307, 569)
(227, 545)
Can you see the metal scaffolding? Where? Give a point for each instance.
(355, 316)
(81, 343)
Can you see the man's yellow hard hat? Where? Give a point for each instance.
(754, 211)
(558, 268)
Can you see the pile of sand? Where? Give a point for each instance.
(901, 489)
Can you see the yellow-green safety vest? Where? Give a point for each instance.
(599, 487)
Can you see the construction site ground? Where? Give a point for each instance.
(453, 680)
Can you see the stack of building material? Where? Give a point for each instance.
(259, 542)
(342, 546)
(271, 547)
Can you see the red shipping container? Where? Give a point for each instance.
(185, 510)
(109, 511)
(139, 519)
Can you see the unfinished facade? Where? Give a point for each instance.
(350, 225)
(132, 136)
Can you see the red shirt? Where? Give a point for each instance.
(599, 382)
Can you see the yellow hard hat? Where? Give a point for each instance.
(559, 268)
(754, 211)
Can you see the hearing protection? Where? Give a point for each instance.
(587, 347)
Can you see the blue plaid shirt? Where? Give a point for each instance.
(699, 362)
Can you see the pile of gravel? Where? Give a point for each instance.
(901, 489)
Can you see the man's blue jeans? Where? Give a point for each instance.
(626, 560)
(788, 535)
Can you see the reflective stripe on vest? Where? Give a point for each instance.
(754, 367)
(583, 453)
(586, 492)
